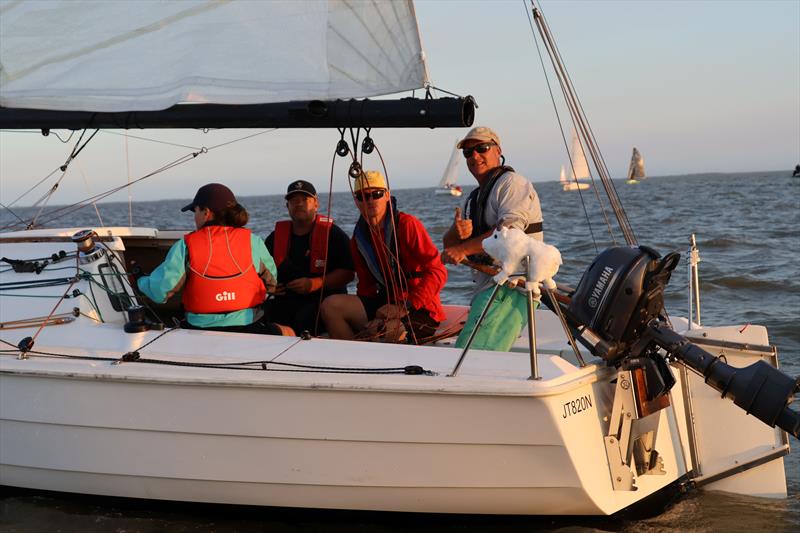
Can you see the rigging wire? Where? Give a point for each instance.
(396, 285)
(561, 75)
(240, 139)
(561, 126)
(62, 168)
(445, 92)
(585, 128)
(21, 196)
(75, 152)
(88, 191)
(130, 191)
(157, 141)
(12, 212)
(65, 210)
(328, 209)
(581, 120)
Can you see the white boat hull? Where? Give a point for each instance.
(575, 186)
(489, 440)
(329, 447)
(447, 191)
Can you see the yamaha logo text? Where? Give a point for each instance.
(600, 286)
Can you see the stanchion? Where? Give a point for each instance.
(474, 331)
(532, 338)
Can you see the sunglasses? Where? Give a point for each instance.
(480, 148)
(374, 195)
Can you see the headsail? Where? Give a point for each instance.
(580, 168)
(149, 55)
(451, 170)
(636, 167)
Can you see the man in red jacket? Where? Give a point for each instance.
(400, 273)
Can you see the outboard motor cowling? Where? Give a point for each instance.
(619, 294)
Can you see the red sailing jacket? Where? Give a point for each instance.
(319, 240)
(419, 261)
(221, 277)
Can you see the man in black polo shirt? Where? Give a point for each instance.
(311, 252)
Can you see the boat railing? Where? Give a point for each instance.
(693, 258)
(516, 280)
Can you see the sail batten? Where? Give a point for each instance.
(149, 55)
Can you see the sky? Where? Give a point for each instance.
(696, 86)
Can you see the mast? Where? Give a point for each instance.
(582, 123)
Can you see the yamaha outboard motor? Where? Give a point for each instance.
(618, 296)
(617, 312)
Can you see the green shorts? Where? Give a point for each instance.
(501, 325)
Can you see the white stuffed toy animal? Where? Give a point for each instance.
(509, 246)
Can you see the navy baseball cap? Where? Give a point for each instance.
(300, 186)
(214, 196)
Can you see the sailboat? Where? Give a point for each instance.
(582, 416)
(447, 185)
(636, 168)
(579, 168)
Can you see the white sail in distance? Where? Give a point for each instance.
(451, 170)
(580, 168)
(147, 55)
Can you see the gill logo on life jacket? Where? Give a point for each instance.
(225, 296)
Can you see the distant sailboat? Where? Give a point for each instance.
(580, 168)
(636, 168)
(447, 185)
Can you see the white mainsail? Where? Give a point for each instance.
(580, 168)
(636, 167)
(148, 55)
(451, 170)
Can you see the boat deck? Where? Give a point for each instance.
(182, 357)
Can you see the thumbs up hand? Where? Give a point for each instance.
(463, 226)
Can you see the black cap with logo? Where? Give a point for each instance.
(300, 186)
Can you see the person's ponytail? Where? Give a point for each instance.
(236, 216)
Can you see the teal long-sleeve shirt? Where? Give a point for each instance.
(169, 277)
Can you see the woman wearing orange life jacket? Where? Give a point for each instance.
(222, 268)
